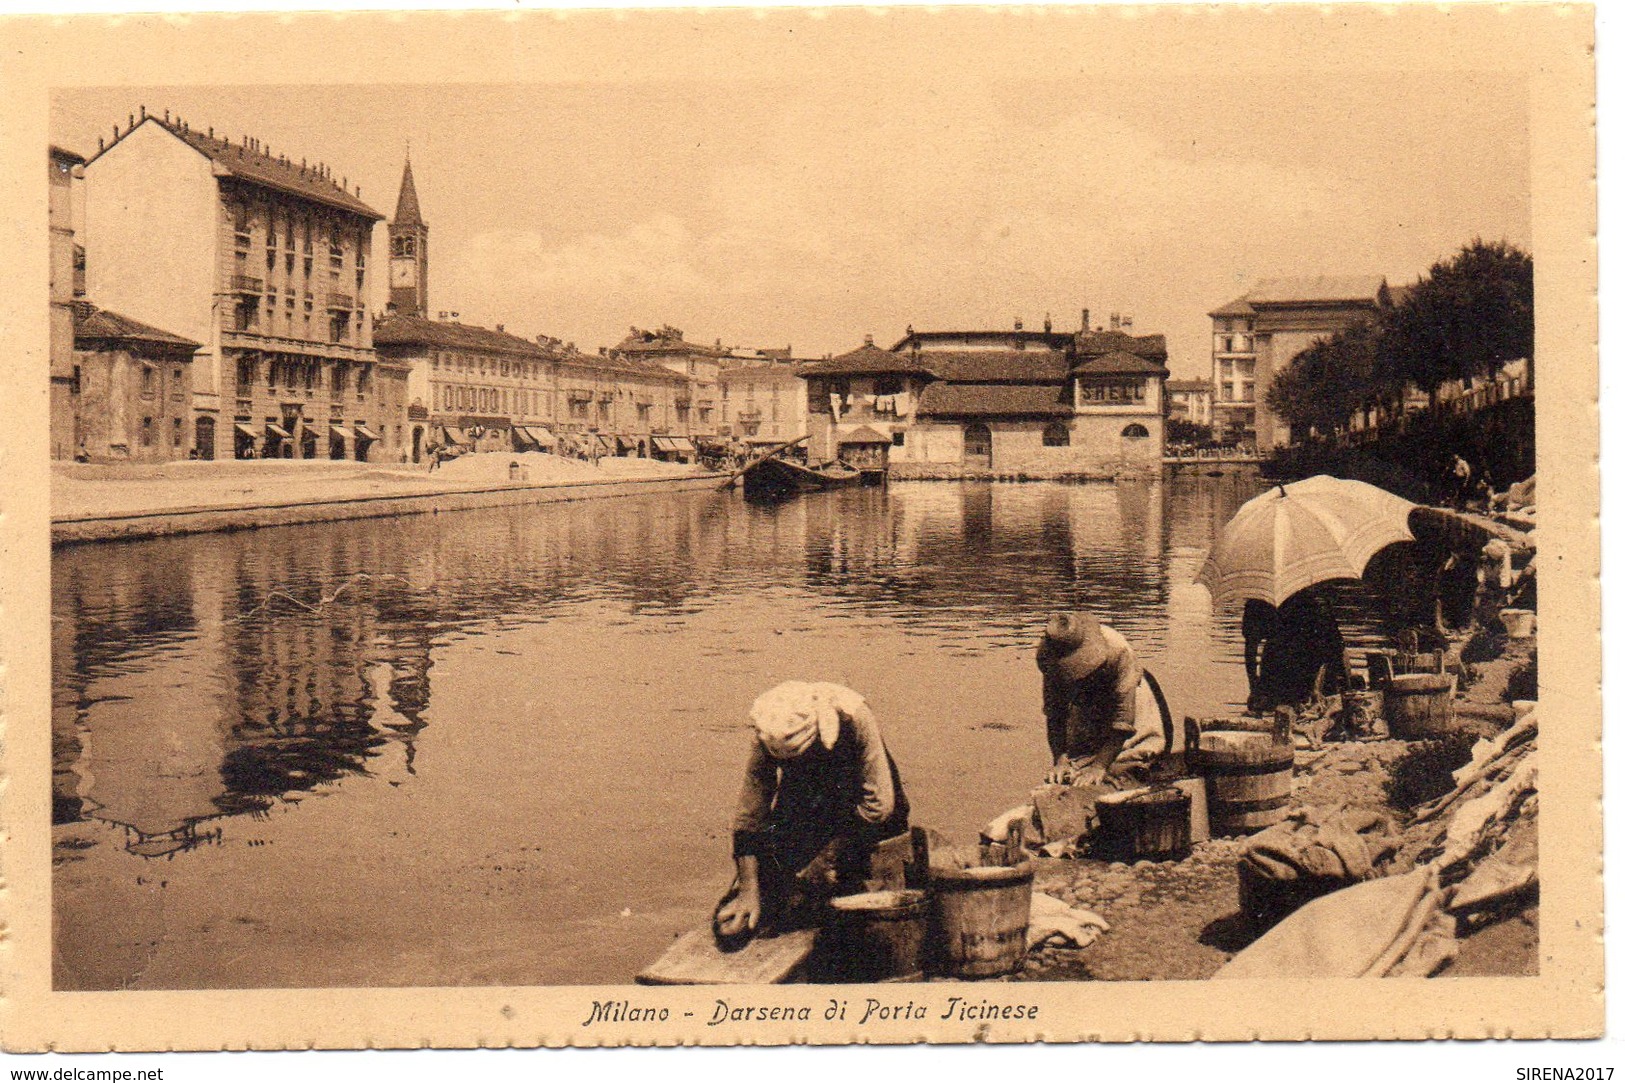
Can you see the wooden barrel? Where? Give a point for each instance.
(980, 917)
(879, 936)
(1151, 824)
(1249, 780)
(1420, 705)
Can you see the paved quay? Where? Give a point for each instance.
(101, 503)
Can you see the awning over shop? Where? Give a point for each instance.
(523, 439)
(341, 432)
(627, 444)
(456, 436)
(277, 431)
(673, 443)
(543, 438)
(605, 442)
(365, 433)
(244, 430)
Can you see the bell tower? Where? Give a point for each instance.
(408, 252)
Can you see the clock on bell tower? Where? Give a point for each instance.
(408, 252)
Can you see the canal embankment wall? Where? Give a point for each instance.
(136, 525)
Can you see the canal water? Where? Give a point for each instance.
(503, 746)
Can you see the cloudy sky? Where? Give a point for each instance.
(860, 189)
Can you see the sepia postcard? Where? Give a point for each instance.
(800, 526)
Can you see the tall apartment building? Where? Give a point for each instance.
(1258, 334)
(264, 260)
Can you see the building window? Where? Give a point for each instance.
(146, 432)
(179, 435)
(1136, 431)
(897, 438)
(149, 380)
(1056, 434)
(884, 385)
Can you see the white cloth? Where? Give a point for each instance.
(789, 716)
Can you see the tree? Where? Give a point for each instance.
(1183, 431)
(1469, 316)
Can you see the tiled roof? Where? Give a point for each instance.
(1321, 288)
(870, 360)
(1238, 307)
(626, 366)
(745, 374)
(995, 400)
(666, 340)
(1118, 362)
(417, 331)
(1098, 343)
(863, 435)
(1036, 365)
(1188, 385)
(254, 167)
(92, 323)
(982, 340)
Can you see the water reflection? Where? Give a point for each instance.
(210, 676)
(567, 680)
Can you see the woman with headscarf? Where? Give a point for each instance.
(820, 791)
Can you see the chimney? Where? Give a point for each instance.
(502, 328)
(1048, 325)
(1018, 323)
(1117, 322)
(1086, 321)
(868, 340)
(1128, 321)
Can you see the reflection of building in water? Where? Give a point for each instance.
(299, 712)
(135, 734)
(188, 682)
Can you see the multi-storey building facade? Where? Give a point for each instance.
(616, 405)
(59, 212)
(469, 387)
(764, 400)
(131, 388)
(480, 389)
(949, 403)
(1258, 334)
(698, 412)
(121, 390)
(264, 261)
(1190, 400)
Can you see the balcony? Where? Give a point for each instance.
(247, 284)
(340, 302)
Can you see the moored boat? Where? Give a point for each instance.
(778, 477)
